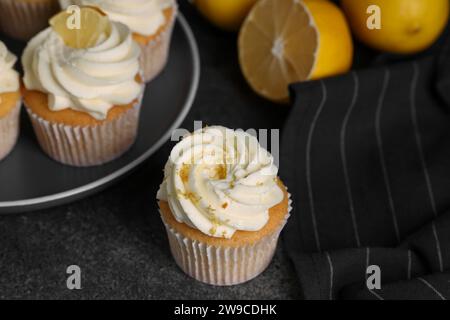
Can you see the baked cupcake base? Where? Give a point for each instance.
(155, 48)
(225, 262)
(79, 140)
(22, 19)
(10, 105)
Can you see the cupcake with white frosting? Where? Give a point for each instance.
(23, 19)
(151, 22)
(84, 103)
(223, 206)
(10, 102)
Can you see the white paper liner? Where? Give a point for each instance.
(90, 145)
(9, 130)
(23, 19)
(155, 54)
(224, 266)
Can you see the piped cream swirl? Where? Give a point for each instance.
(144, 17)
(219, 181)
(89, 80)
(9, 78)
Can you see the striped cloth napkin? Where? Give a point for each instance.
(366, 157)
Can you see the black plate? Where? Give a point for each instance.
(29, 180)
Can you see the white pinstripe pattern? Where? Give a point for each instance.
(308, 165)
(381, 151)
(432, 288)
(330, 263)
(409, 264)
(376, 295)
(416, 76)
(418, 137)
(438, 247)
(367, 259)
(367, 266)
(344, 158)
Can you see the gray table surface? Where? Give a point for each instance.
(116, 237)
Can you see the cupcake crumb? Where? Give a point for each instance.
(213, 230)
(211, 211)
(188, 195)
(184, 173)
(220, 172)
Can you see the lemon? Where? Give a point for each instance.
(407, 26)
(287, 41)
(226, 14)
(92, 24)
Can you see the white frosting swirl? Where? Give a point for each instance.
(219, 181)
(9, 78)
(89, 80)
(141, 16)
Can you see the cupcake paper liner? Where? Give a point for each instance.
(155, 54)
(23, 19)
(221, 265)
(90, 145)
(9, 130)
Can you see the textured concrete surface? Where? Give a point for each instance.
(119, 242)
(116, 237)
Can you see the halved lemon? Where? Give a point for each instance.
(287, 41)
(81, 28)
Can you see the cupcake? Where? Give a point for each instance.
(82, 90)
(223, 206)
(10, 102)
(22, 19)
(151, 22)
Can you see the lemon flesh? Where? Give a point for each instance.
(287, 41)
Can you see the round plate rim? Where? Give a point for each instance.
(91, 187)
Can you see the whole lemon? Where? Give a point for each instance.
(226, 14)
(406, 26)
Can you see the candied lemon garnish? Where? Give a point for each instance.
(81, 29)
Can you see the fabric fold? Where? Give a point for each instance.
(366, 157)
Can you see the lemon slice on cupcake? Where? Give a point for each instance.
(81, 29)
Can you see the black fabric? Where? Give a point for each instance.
(443, 83)
(367, 159)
